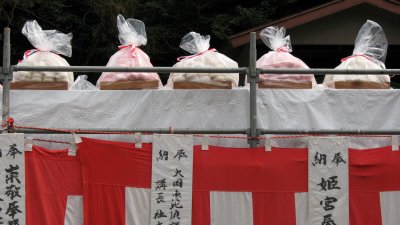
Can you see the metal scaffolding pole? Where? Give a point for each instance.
(128, 131)
(6, 77)
(331, 131)
(188, 131)
(331, 71)
(241, 70)
(253, 80)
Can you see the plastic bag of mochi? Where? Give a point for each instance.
(369, 53)
(49, 45)
(132, 34)
(203, 57)
(280, 57)
(82, 84)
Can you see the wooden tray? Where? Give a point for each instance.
(39, 85)
(198, 85)
(129, 85)
(360, 85)
(284, 84)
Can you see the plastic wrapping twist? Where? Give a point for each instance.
(371, 41)
(49, 44)
(132, 34)
(274, 38)
(203, 57)
(280, 57)
(369, 53)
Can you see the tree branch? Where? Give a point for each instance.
(12, 13)
(42, 19)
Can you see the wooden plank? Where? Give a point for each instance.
(199, 85)
(284, 84)
(129, 85)
(360, 85)
(39, 85)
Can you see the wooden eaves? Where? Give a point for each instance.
(312, 14)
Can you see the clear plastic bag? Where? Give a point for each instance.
(369, 53)
(49, 44)
(203, 57)
(81, 83)
(132, 34)
(280, 57)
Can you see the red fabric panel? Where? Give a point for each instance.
(201, 212)
(274, 208)
(374, 170)
(365, 208)
(50, 176)
(371, 171)
(104, 204)
(251, 170)
(107, 168)
(272, 177)
(115, 163)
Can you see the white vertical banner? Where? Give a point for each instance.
(328, 181)
(12, 179)
(171, 180)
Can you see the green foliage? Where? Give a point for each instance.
(93, 23)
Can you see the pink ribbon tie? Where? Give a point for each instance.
(352, 56)
(133, 48)
(282, 49)
(28, 53)
(192, 56)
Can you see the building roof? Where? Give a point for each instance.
(315, 13)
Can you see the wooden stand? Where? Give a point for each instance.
(284, 84)
(129, 85)
(360, 85)
(39, 86)
(198, 85)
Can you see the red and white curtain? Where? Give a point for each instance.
(54, 192)
(229, 185)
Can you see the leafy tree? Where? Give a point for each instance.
(93, 23)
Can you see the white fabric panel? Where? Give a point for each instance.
(137, 206)
(354, 142)
(208, 109)
(390, 207)
(301, 201)
(328, 109)
(231, 208)
(74, 210)
(139, 109)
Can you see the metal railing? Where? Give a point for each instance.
(252, 73)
